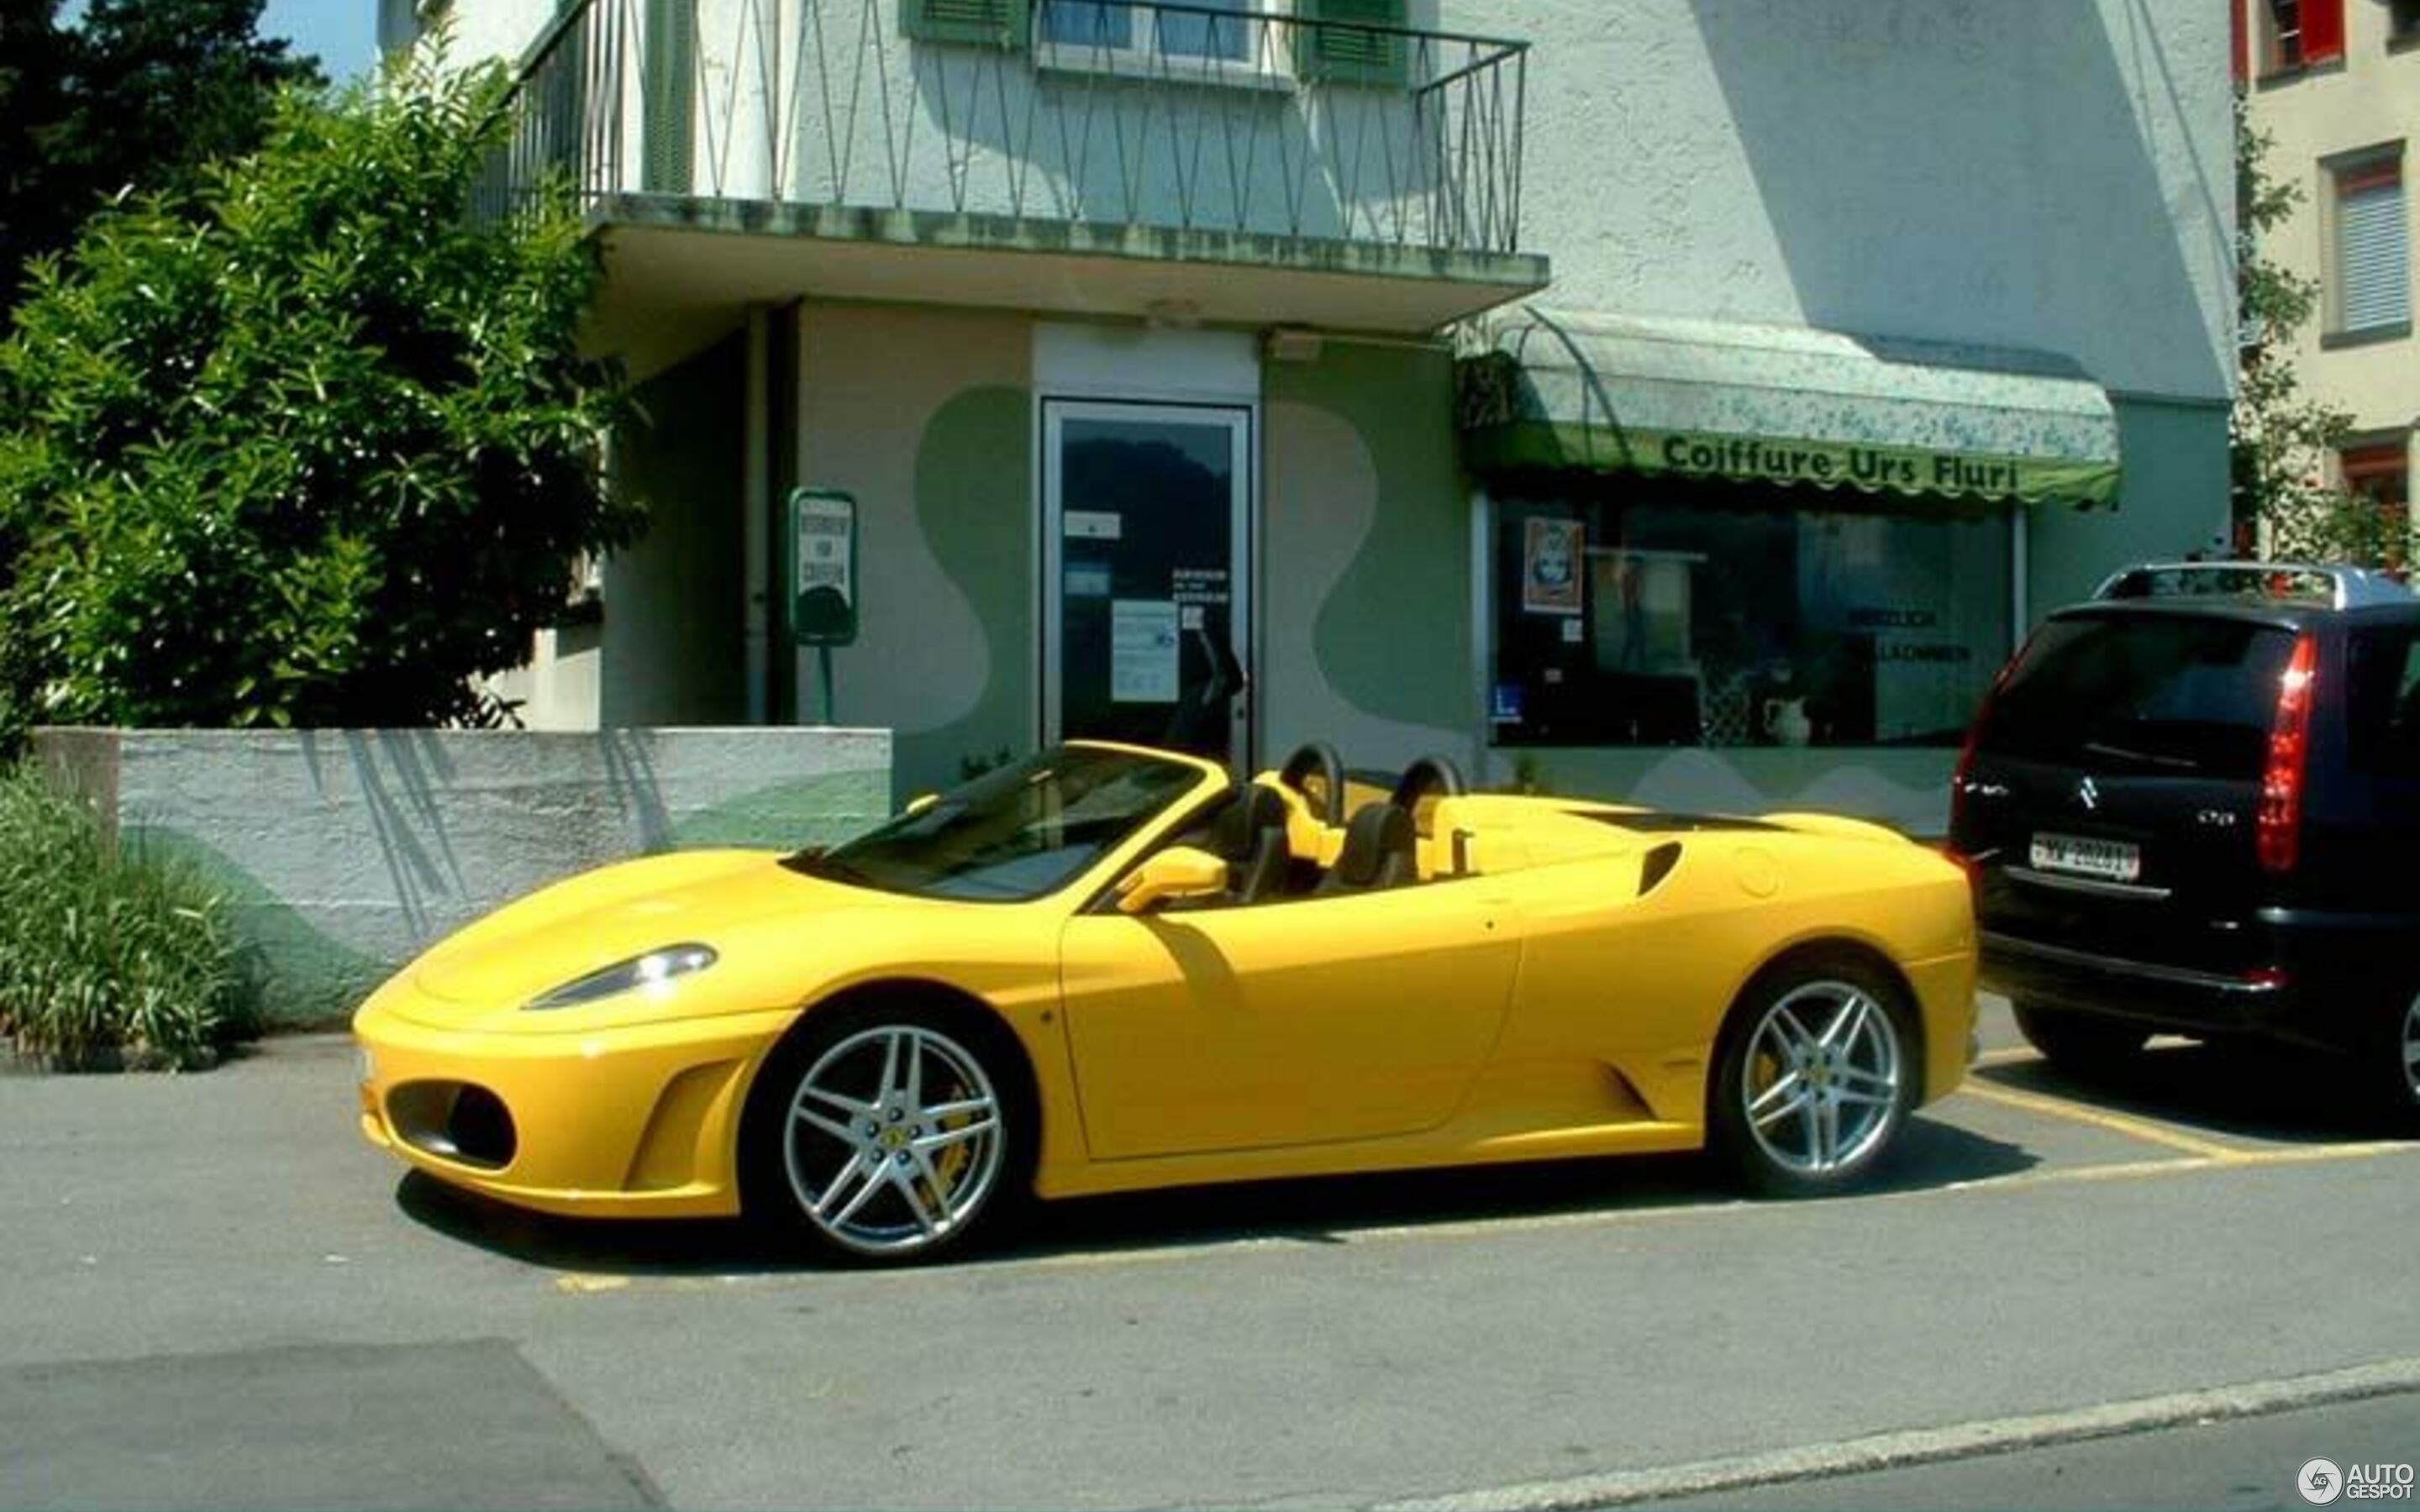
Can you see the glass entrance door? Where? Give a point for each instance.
(1144, 624)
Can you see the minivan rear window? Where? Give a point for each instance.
(2182, 697)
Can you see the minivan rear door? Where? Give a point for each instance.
(2112, 798)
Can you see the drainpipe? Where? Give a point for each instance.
(756, 527)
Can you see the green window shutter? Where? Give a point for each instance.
(985, 23)
(669, 84)
(1339, 54)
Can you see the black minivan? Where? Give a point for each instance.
(2193, 806)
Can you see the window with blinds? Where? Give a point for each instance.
(2373, 248)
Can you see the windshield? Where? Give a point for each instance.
(1020, 832)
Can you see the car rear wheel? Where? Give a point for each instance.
(2078, 1041)
(1817, 1074)
(894, 1136)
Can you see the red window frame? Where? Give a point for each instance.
(2380, 473)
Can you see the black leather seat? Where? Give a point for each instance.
(1379, 851)
(1256, 847)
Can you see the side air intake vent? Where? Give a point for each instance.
(1658, 865)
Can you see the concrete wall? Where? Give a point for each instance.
(926, 416)
(2171, 500)
(482, 28)
(1366, 623)
(2047, 176)
(340, 854)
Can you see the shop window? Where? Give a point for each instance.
(2379, 474)
(2373, 249)
(1720, 617)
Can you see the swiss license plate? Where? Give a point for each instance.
(2113, 860)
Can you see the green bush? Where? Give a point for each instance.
(311, 446)
(106, 956)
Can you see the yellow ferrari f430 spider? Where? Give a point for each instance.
(1105, 967)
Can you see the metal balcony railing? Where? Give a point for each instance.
(1117, 113)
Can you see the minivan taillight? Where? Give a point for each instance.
(1965, 767)
(2278, 825)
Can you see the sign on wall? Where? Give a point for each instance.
(822, 541)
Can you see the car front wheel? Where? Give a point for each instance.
(1817, 1072)
(889, 1136)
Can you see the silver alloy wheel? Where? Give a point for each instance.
(2412, 1051)
(1820, 1084)
(893, 1139)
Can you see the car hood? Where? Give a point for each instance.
(587, 922)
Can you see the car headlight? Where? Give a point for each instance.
(628, 976)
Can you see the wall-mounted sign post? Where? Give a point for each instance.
(821, 547)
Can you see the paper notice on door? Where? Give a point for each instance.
(1142, 651)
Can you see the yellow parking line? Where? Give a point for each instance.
(2137, 1169)
(2114, 1122)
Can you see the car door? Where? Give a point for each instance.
(1350, 1016)
(2360, 801)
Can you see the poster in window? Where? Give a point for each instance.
(1143, 639)
(1551, 553)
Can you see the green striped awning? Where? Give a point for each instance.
(1785, 404)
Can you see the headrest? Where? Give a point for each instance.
(1378, 831)
(1264, 808)
(1256, 811)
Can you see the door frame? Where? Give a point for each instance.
(1242, 420)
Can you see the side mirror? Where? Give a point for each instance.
(917, 804)
(1180, 871)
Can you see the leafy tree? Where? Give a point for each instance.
(312, 447)
(2277, 437)
(139, 93)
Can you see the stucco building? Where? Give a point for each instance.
(2335, 85)
(1686, 398)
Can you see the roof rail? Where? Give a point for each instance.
(2301, 583)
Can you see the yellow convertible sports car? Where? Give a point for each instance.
(1105, 967)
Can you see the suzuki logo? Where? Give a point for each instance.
(2087, 795)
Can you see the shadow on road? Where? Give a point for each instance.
(2265, 1093)
(1324, 1210)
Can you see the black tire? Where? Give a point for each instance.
(2390, 1064)
(2080, 1042)
(1818, 1068)
(915, 1125)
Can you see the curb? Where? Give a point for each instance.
(1924, 1446)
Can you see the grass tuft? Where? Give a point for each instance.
(108, 957)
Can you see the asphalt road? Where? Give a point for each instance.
(212, 1294)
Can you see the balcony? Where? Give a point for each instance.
(1211, 162)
